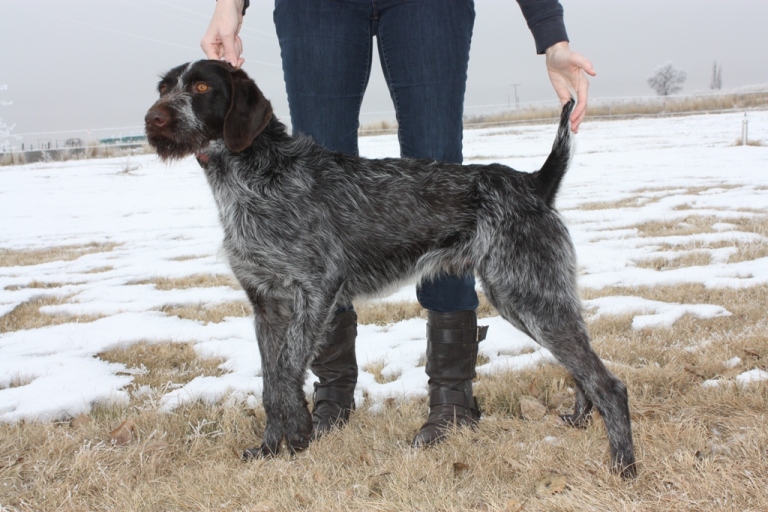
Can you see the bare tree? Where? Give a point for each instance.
(717, 76)
(667, 80)
(5, 129)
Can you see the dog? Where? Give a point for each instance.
(307, 230)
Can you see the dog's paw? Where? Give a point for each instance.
(260, 452)
(298, 432)
(623, 463)
(577, 420)
(625, 471)
(297, 445)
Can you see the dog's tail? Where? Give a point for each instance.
(547, 179)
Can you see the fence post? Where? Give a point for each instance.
(744, 130)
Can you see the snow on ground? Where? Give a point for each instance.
(164, 224)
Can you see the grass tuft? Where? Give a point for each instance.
(26, 257)
(192, 281)
(161, 366)
(28, 315)
(205, 313)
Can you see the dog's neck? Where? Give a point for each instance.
(274, 135)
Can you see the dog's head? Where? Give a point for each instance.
(204, 101)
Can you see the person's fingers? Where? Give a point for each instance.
(221, 40)
(210, 45)
(582, 62)
(231, 51)
(580, 85)
(576, 119)
(568, 73)
(582, 94)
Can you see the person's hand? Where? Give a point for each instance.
(221, 41)
(566, 71)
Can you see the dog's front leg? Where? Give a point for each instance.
(272, 317)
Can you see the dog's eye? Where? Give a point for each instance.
(162, 88)
(202, 87)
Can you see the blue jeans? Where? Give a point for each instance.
(326, 48)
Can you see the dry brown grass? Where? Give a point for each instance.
(745, 251)
(697, 253)
(695, 224)
(384, 313)
(188, 257)
(691, 259)
(376, 368)
(629, 202)
(34, 284)
(16, 258)
(648, 195)
(193, 281)
(209, 312)
(749, 251)
(699, 448)
(28, 315)
(648, 107)
(751, 142)
(162, 365)
(99, 270)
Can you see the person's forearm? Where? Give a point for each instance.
(545, 20)
(245, 3)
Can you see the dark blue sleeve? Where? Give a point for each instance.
(545, 19)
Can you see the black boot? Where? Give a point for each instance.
(336, 366)
(452, 340)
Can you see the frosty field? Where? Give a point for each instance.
(146, 220)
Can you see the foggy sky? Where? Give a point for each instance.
(93, 64)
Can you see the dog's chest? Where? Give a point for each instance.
(255, 225)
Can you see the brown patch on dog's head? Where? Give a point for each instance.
(205, 101)
(248, 115)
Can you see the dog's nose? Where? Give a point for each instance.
(156, 117)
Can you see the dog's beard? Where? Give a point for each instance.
(168, 148)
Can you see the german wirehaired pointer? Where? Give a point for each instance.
(307, 230)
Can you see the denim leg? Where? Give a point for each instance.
(424, 50)
(424, 47)
(325, 47)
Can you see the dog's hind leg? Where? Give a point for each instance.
(562, 331)
(582, 410)
(539, 294)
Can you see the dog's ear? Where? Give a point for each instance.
(248, 113)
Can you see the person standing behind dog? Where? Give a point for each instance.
(326, 49)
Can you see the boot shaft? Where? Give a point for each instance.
(336, 360)
(452, 343)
